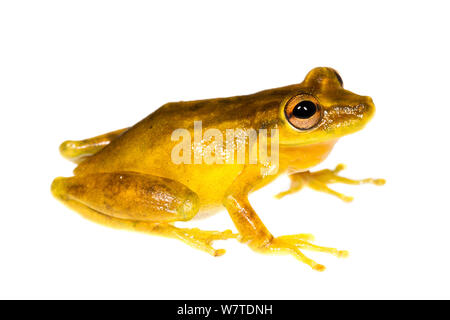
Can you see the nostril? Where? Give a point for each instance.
(369, 100)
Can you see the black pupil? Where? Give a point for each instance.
(304, 110)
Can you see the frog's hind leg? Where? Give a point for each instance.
(139, 202)
(77, 151)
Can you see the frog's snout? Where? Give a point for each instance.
(369, 102)
(368, 107)
(346, 119)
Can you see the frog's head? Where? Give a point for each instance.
(321, 110)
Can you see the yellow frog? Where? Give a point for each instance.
(134, 179)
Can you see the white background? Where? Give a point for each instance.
(75, 69)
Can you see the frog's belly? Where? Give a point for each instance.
(209, 182)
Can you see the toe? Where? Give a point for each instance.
(319, 267)
(219, 252)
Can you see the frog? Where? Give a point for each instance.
(127, 179)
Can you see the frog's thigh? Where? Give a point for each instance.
(129, 195)
(77, 151)
(139, 202)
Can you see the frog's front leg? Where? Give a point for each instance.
(254, 232)
(139, 202)
(319, 181)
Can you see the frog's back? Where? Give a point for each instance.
(147, 146)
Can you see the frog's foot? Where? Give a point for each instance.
(293, 243)
(319, 181)
(202, 240)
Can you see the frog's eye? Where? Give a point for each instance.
(303, 112)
